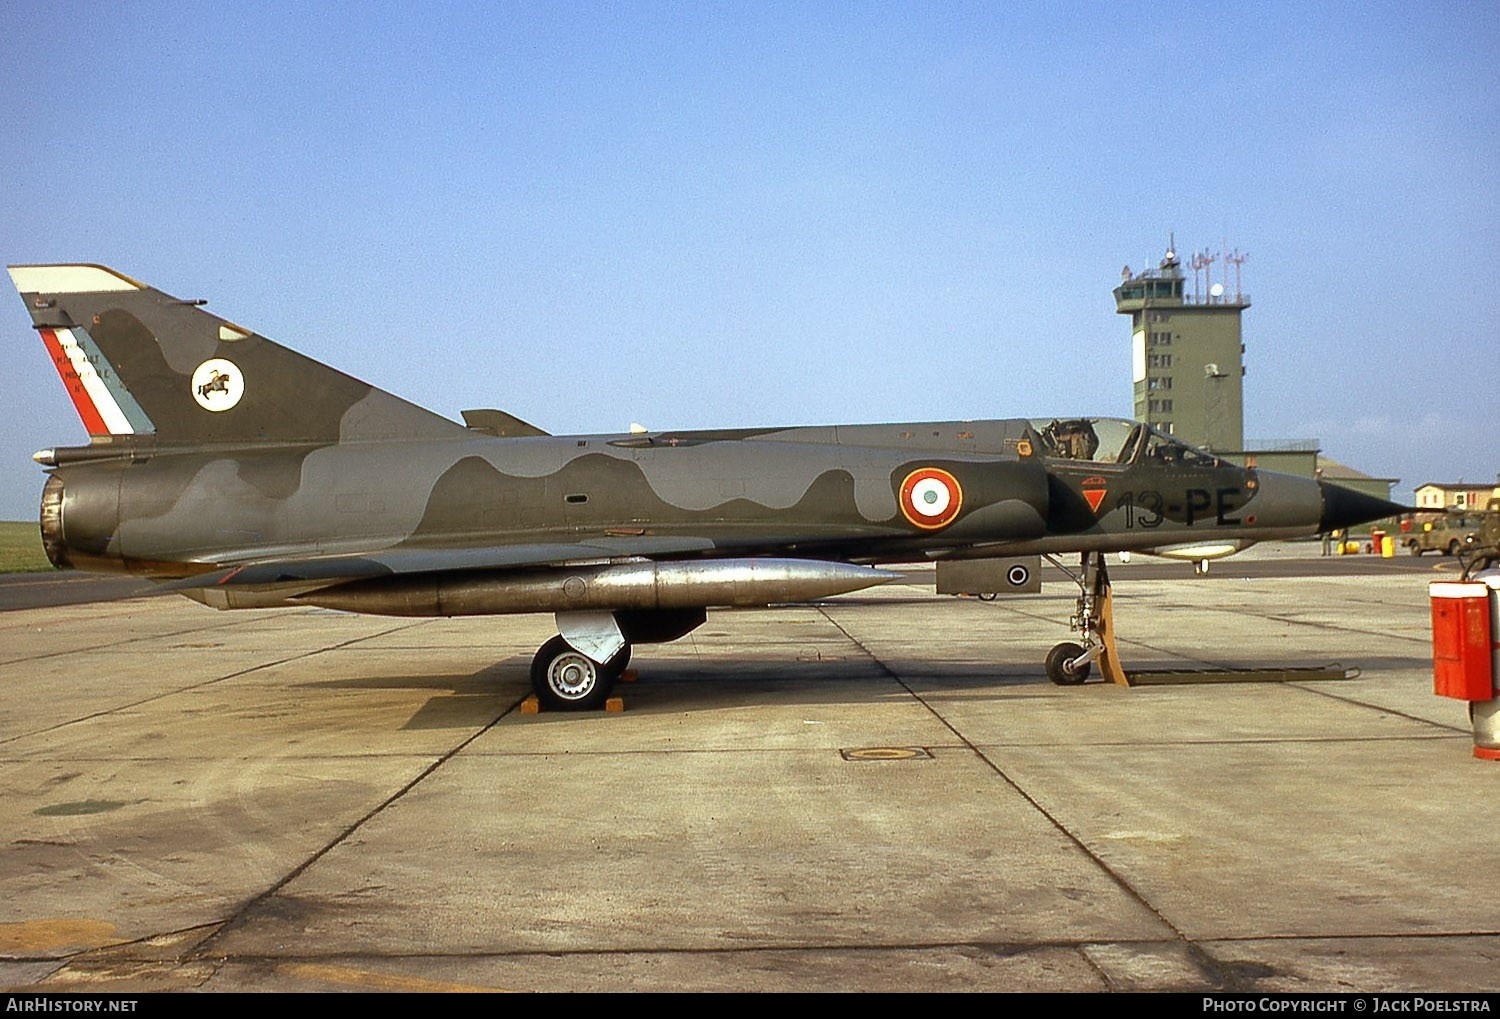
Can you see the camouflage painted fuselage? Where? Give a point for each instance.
(830, 493)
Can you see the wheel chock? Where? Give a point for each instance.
(532, 706)
(1109, 658)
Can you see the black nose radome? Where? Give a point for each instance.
(1344, 507)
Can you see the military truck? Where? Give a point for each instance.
(1482, 549)
(1443, 533)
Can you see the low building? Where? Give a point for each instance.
(1303, 458)
(1336, 473)
(1438, 496)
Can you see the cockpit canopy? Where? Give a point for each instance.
(1114, 440)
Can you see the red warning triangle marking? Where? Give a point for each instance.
(1094, 490)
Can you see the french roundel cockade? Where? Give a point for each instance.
(931, 497)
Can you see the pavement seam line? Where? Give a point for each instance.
(1207, 965)
(201, 951)
(194, 686)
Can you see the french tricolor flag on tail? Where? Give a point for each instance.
(99, 396)
(96, 389)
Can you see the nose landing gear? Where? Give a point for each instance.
(1069, 663)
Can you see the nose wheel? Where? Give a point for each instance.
(1067, 665)
(1071, 662)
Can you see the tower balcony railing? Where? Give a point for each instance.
(1225, 299)
(1309, 445)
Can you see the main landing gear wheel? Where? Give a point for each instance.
(1063, 667)
(568, 680)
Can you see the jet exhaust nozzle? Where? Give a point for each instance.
(54, 542)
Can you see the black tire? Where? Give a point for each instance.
(1057, 669)
(1453, 547)
(1416, 549)
(988, 596)
(620, 662)
(568, 680)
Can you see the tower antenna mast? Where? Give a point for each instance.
(1236, 259)
(1208, 272)
(1201, 261)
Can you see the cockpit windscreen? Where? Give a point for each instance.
(1114, 440)
(1102, 440)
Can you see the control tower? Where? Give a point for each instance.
(1187, 352)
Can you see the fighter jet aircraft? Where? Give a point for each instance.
(243, 474)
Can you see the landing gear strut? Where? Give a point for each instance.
(1069, 663)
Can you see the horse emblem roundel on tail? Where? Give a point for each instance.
(218, 384)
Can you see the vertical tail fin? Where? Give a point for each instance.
(136, 361)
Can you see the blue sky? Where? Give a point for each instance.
(703, 214)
